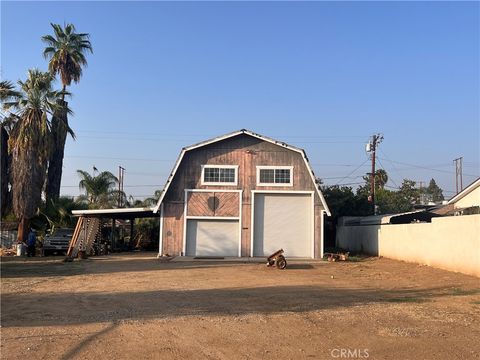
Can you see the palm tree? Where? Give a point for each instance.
(381, 178)
(99, 189)
(152, 201)
(66, 50)
(29, 143)
(7, 93)
(59, 213)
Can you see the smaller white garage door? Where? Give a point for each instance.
(283, 221)
(212, 238)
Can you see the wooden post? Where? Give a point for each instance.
(132, 221)
(76, 233)
(112, 236)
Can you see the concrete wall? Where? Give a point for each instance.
(450, 243)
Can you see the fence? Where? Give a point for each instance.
(450, 243)
(8, 238)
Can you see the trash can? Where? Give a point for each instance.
(20, 249)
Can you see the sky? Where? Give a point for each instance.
(324, 76)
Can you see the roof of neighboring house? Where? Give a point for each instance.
(465, 191)
(402, 218)
(230, 135)
(127, 213)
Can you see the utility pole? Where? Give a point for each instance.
(422, 195)
(458, 173)
(372, 148)
(121, 173)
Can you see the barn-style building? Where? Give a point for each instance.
(242, 194)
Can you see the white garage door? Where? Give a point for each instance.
(212, 238)
(283, 221)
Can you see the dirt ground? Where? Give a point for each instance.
(135, 307)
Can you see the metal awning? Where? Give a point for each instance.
(127, 213)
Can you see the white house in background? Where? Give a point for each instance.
(468, 197)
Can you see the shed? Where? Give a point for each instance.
(242, 194)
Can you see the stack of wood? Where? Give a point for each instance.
(337, 256)
(8, 251)
(87, 231)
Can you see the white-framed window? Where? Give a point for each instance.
(275, 175)
(220, 175)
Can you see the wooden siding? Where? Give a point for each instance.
(318, 219)
(173, 228)
(213, 204)
(247, 152)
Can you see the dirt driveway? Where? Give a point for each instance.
(135, 307)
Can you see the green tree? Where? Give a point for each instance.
(392, 202)
(152, 201)
(29, 143)
(66, 50)
(409, 191)
(59, 212)
(381, 179)
(434, 191)
(342, 201)
(99, 189)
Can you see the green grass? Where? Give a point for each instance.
(477, 302)
(355, 258)
(406, 300)
(461, 292)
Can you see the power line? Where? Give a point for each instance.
(115, 158)
(177, 135)
(351, 173)
(341, 177)
(125, 186)
(390, 177)
(424, 167)
(176, 140)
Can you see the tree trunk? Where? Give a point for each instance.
(55, 162)
(5, 196)
(23, 230)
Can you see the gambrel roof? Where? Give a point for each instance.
(230, 135)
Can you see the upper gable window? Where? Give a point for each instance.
(275, 175)
(219, 174)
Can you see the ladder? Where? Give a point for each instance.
(86, 232)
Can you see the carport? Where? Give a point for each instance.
(90, 224)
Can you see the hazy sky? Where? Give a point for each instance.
(320, 75)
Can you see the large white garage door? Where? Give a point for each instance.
(283, 221)
(212, 238)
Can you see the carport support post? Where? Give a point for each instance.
(132, 220)
(113, 234)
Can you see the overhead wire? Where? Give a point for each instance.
(352, 172)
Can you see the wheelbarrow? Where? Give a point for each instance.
(277, 259)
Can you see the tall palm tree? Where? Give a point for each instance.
(29, 143)
(7, 93)
(66, 50)
(99, 189)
